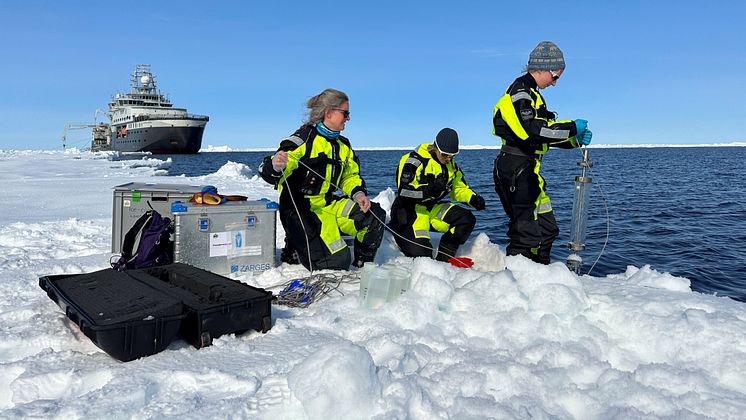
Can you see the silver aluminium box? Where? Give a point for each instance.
(131, 201)
(233, 238)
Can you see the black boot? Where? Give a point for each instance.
(446, 251)
(289, 255)
(362, 255)
(542, 257)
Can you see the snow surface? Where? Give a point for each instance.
(505, 339)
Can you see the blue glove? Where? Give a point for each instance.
(585, 140)
(581, 125)
(209, 189)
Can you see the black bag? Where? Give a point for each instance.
(152, 235)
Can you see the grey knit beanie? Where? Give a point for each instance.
(546, 56)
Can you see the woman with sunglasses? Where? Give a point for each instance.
(307, 169)
(424, 178)
(528, 129)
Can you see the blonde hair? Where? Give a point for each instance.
(317, 105)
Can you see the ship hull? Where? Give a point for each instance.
(159, 138)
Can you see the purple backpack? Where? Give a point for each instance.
(147, 243)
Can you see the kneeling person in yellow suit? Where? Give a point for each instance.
(307, 169)
(424, 178)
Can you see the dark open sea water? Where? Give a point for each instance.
(680, 210)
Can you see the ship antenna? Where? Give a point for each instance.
(142, 80)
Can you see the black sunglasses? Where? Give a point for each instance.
(345, 113)
(555, 76)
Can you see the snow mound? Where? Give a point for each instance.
(232, 170)
(336, 381)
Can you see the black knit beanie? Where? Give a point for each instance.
(447, 141)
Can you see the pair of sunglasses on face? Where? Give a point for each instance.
(448, 155)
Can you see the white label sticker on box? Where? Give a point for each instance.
(220, 243)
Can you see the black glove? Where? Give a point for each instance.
(435, 188)
(477, 202)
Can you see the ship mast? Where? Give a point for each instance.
(143, 81)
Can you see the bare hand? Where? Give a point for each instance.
(279, 160)
(363, 202)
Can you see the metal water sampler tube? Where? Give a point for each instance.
(579, 215)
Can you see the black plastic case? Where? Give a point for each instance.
(137, 313)
(215, 305)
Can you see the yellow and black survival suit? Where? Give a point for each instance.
(312, 209)
(423, 182)
(527, 130)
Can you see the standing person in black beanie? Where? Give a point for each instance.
(424, 178)
(528, 129)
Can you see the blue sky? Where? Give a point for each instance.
(641, 72)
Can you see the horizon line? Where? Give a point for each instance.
(225, 148)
